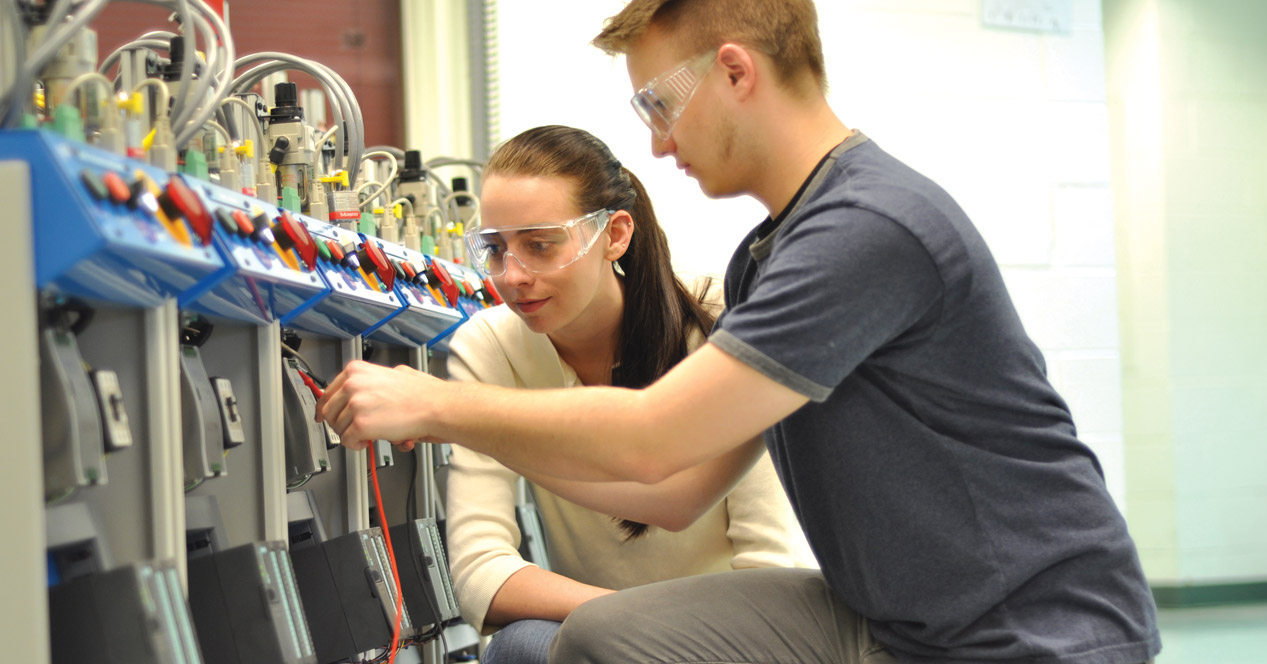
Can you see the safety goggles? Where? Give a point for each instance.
(661, 101)
(539, 248)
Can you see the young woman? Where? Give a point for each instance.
(573, 246)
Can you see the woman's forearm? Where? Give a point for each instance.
(534, 593)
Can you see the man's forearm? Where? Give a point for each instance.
(594, 434)
(673, 504)
(706, 406)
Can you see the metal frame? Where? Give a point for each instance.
(23, 585)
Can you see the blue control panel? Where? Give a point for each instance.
(108, 228)
(271, 278)
(358, 298)
(427, 316)
(117, 231)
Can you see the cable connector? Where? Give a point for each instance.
(387, 228)
(162, 147)
(412, 233)
(229, 169)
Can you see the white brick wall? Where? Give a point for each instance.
(1194, 211)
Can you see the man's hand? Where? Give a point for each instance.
(368, 402)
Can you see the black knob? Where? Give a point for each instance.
(278, 153)
(413, 159)
(285, 94)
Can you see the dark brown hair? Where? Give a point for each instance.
(785, 30)
(659, 312)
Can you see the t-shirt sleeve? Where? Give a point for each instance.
(839, 284)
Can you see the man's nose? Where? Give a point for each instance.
(662, 147)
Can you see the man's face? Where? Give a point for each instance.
(702, 141)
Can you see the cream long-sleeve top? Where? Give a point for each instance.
(753, 527)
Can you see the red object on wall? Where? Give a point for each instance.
(361, 41)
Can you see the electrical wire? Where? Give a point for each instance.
(219, 47)
(337, 90)
(151, 45)
(334, 129)
(441, 186)
(55, 16)
(338, 100)
(90, 77)
(451, 200)
(434, 229)
(338, 104)
(403, 201)
(67, 493)
(158, 34)
(382, 520)
(164, 93)
(321, 141)
(396, 152)
(251, 118)
(154, 39)
(186, 23)
(387, 182)
(13, 21)
(224, 58)
(391, 554)
(307, 365)
(228, 140)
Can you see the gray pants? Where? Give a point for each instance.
(765, 616)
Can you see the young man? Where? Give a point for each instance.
(869, 338)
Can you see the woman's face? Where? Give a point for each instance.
(549, 301)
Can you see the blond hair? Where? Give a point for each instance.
(785, 30)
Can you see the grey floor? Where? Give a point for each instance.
(1216, 635)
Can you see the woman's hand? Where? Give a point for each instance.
(368, 402)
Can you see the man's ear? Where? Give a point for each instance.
(740, 68)
(620, 230)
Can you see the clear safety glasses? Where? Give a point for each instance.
(661, 101)
(540, 248)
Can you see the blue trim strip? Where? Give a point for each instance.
(218, 277)
(399, 310)
(449, 330)
(310, 303)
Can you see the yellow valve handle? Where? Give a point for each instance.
(174, 226)
(340, 178)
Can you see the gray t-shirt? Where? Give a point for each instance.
(936, 472)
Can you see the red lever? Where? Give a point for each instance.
(295, 234)
(179, 200)
(382, 266)
(488, 286)
(447, 286)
